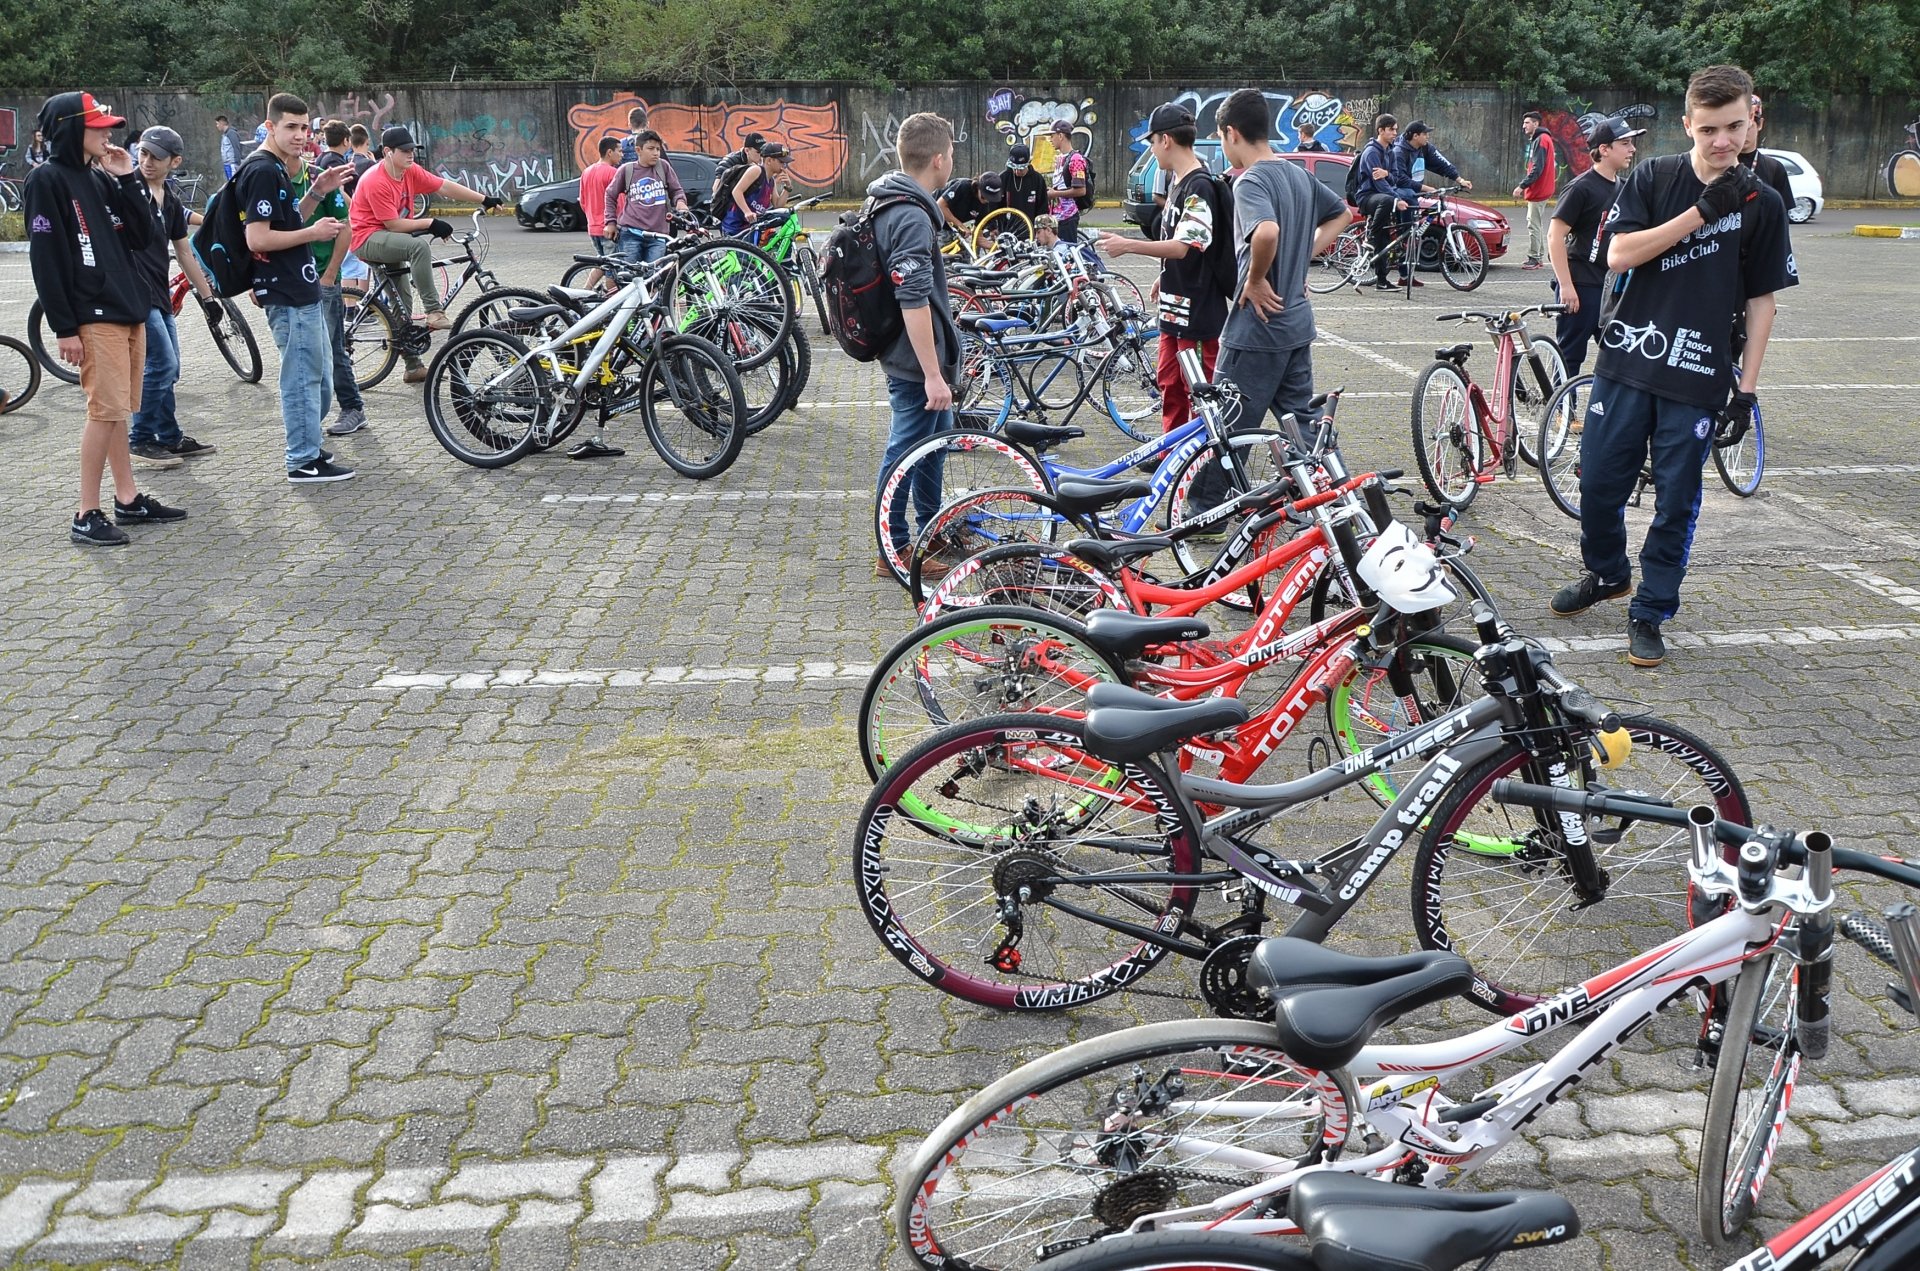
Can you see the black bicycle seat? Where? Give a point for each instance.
(1083, 496)
(1124, 635)
(1114, 555)
(1130, 732)
(1453, 352)
(1361, 1224)
(1038, 437)
(537, 313)
(1327, 1004)
(995, 322)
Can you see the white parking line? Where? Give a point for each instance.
(1378, 359)
(1886, 588)
(713, 496)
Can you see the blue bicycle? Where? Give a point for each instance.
(1046, 375)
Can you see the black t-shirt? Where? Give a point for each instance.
(1583, 207)
(1192, 306)
(963, 200)
(170, 226)
(286, 277)
(1672, 331)
(1774, 173)
(1028, 193)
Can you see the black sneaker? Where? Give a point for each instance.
(1644, 646)
(95, 530)
(145, 510)
(1584, 593)
(319, 472)
(187, 447)
(151, 454)
(1381, 284)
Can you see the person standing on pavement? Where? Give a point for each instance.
(229, 147)
(1537, 186)
(86, 218)
(1712, 240)
(593, 194)
(153, 435)
(336, 265)
(1068, 195)
(1575, 246)
(634, 203)
(630, 144)
(1024, 189)
(1282, 219)
(924, 360)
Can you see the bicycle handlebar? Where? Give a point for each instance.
(1477, 315)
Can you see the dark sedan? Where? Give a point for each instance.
(557, 206)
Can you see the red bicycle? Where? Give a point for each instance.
(231, 335)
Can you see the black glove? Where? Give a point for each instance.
(215, 311)
(1734, 419)
(1725, 195)
(492, 201)
(439, 228)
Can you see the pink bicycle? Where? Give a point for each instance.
(1462, 438)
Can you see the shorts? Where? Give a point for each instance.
(353, 267)
(599, 244)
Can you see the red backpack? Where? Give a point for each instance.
(861, 311)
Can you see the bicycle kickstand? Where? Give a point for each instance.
(596, 447)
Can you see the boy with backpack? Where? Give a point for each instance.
(1072, 191)
(1195, 248)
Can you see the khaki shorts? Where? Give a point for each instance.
(115, 356)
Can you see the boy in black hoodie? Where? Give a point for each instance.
(86, 217)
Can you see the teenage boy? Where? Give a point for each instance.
(630, 144)
(86, 217)
(153, 435)
(968, 199)
(1282, 219)
(360, 150)
(1713, 242)
(593, 193)
(1193, 304)
(229, 147)
(922, 363)
(647, 185)
(1069, 182)
(1574, 242)
(1765, 166)
(1378, 198)
(761, 186)
(1410, 161)
(1536, 187)
(1024, 189)
(286, 282)
(734, 162)
(336, 265)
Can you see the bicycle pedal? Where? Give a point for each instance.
(1486, 478)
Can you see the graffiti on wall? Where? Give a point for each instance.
(1903, 166)
(369, 108)
(1569, 128)
(814, 133)
(1333, 121)
(498, 155)
(1018, 118)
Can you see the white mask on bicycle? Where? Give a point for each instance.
(1405, 573)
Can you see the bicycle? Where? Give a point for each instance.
(1902, 170)
(1053, 387)
(1352, 258)
(1738, 452)
(1211, 1123)
(233, 336)
(1462, 440)
(13, 191)
(19, 374)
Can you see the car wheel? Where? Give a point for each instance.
(1801, 212)
(561, 216)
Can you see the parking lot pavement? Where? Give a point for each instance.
(453, 866)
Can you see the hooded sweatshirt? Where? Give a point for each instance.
(83, 228)
(904, 236)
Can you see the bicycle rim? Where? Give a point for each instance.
(1538, 373)
(939, 470)
(1446, 435)
(371, 347)
(1741, 464)
(1463, 257)
(728, 282)
(37, 338)
(1562, 424)
(693, 407)
(233, 331)
(1029, 574)
(1367, 708)
(1131, 389)
(1754, 1072)
(972, 524)
(19, 375)
(484, 404)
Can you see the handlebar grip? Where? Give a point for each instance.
(1588, 709)
(1391, 474)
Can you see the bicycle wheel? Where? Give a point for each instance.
(485, 400)
(1031, 574)
(236, 343)
(969, 665)
(1412, 685)
(692, 406)
(1057, 383)
(19, 374)
(1561, 427)
(1536, 376)
(42, 352)
(373, 344)
(490, 308)
(1490, 880)
(1081, 1142)
(970, 524)
(1130, 390)
(725, 288)
(1446, 435)
(1206, 481)
(1001, 220)
(936, 471)
(1758, 1059)
(1742, 464)
(1463, 257)
(576, 275)
(769, 388)
(808, 266)
(1334, 268)
(1184, 1251)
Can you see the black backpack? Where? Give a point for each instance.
(1222, 265)
(1355, 171)
(861, 311)
(221, 241)
(1086, 200)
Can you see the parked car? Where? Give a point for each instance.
(557, 206)
(1331, 171)
(1808, 194)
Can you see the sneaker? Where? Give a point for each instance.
(436, 320)
(93, 529)
(1644, 646)
(416, 374)
(151, 454)
(320, 472)
(188, 448)
(1381, 284)
(1415, 282)
(1533, 264)
(326, 456)
(349, 423)
(145, 510)
(1584, 593)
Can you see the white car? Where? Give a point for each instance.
(1808, 197)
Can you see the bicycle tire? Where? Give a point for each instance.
(1742, 465)
(575, 273)
(244, 360)
(725, 284)
(1334, 268)
(809, 269)
(489, 309)
(702, 427)
(1537, 374)
(802, 345)
(1184, 1251)
(1130, 391)
(960, 460)
(1056, 381)
(1031, 574)
(970, 524)
(18, 384)
(49, 362)
(1753, 1075)
(1504, 890)
(1463, 257)
(1562, 422)
(488, 427)
(769, 388)
(372, 341)
(944, 1210)
(1446, 435)
(1365, 708)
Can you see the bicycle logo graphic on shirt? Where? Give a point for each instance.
(1648, 341)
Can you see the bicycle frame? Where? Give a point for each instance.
(1876, 1204)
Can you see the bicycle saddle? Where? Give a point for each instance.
(996, 322)
(1124, 635)
(1138, 725)
(1328, 1005)
(1083, 496)
(1362, 1224)
(1113, 555)
(573, 298)
(1454, 352)
(985, 277)
(1039, 437)
(537, 313)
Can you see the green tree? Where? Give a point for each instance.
(680, 41)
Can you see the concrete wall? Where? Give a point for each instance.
(505, 138)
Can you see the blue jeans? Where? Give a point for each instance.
(639, 246)
(334, 309)
(912, 424)
(306, 377)
(1574, 331)
(154, 421)
(1622, 424)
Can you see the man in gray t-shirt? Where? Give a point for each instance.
(1282, 218)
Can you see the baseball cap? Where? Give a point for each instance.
(1020, 155)
(1167, 116)
(752, 141)
(97, 114)
(775, 150)
(163, 142)
(1608, 131)
(990, 186)
(1061, 125)
(1417, 126)
(397, 138)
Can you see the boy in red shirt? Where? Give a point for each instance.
(593, 197)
